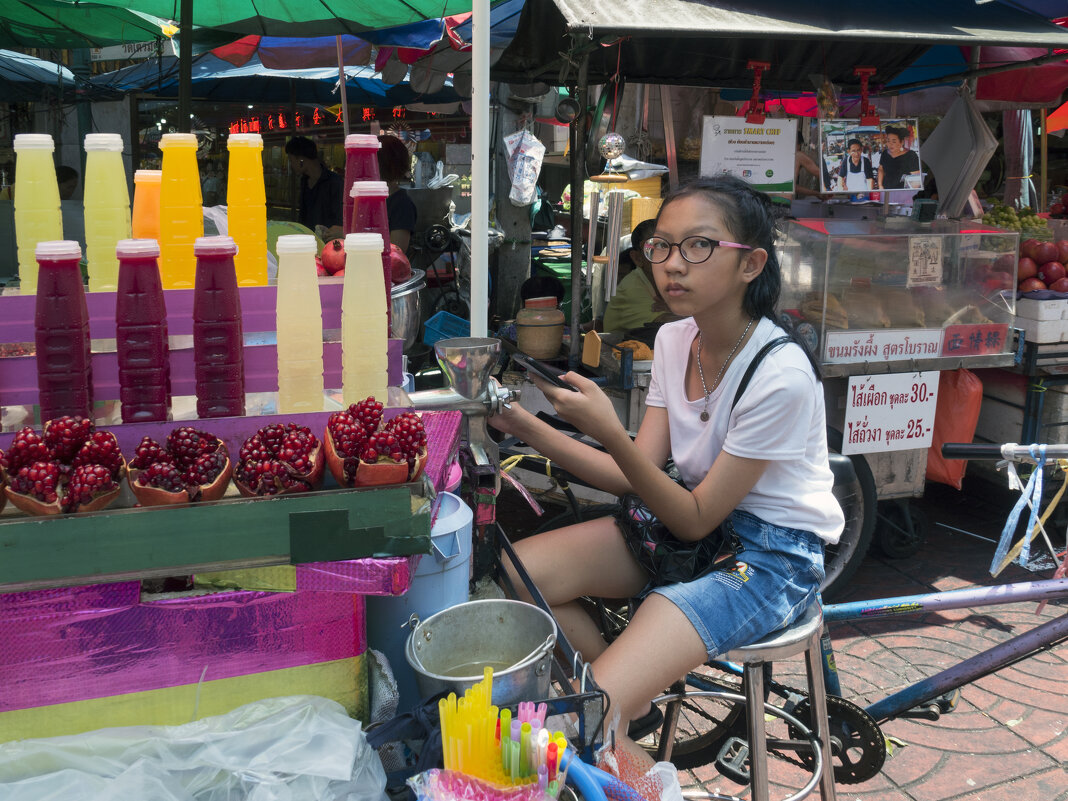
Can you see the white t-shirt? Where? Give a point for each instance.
(780, 417)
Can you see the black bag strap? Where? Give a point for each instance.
(753, 365)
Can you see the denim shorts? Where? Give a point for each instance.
(775, 579)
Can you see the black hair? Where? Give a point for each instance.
(542, 286)
(65, 173)
(750, 219)
(394, 159)
(302, 147)
(856, 142)
(642, 231)
(900, 133)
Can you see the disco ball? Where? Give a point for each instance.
(612, 145)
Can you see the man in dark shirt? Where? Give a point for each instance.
(320, 189)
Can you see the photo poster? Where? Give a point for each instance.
(760, 154)
(866, 158)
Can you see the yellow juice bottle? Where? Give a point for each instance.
(246, 208)
(37, 215)
(181, 215)
(107, 209)
(364, 327)
(299, 324)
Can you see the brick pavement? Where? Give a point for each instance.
(1007, 740)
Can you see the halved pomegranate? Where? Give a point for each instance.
(360, 452)
(280, 459)
(192, 466)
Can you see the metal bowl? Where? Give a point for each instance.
(406, 308)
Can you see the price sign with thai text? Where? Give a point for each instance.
(892, 412)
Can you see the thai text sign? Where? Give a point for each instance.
(760, 153)
(892, 412)
(849, 347)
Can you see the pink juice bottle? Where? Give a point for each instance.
(61, 332)
(218, 350)
(361, 164)
(141, 333)
(369, 216)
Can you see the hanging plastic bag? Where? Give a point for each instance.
(525, 154)
(960, 394)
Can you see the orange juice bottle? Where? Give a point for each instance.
(246, 208)
(181, 213)
(37, 215)
(146, 204)
(107, 209)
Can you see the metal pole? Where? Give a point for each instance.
(343, 79)
(578, 179)
(480, 157)
(185, 67)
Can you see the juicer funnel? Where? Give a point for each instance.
(467, 362)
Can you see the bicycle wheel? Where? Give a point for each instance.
(858, 502)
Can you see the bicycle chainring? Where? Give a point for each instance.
(858, 742)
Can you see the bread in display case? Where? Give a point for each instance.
(878, 292)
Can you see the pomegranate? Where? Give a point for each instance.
(192, 466)
(1062, 251)
(333, 256)
(1060, 285)
(1027, 248)
(1005, 262)
(1026, 269)
(1051, 271)
(400, 267)
(1044, 252)
(71, 467)
(361, 452)
(280, 459)
(1031, 285)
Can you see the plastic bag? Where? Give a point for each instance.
(525, 154)
(277, 749)
(960, 394)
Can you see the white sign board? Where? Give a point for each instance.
(893, 412)
(888, 345)
(761, 154)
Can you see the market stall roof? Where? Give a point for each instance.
(24, 77)
(667, 41)
(59, 24)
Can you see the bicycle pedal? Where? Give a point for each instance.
(936, 707)
(733, 760)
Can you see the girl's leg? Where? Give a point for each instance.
(588, 558)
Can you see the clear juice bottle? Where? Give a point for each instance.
(361, 164)
(37, 214)
(61, 332)
(107, 209)
(364, 326)
(141, 334)
(181, 213)
(246, 208)
(146, 204)
(369, 215)
(218, 350)
(299, 324)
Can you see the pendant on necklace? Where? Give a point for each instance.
(704, 416)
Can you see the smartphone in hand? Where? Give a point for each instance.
(542, 370)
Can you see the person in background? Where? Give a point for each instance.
(67, 178)
(806, 173)
(636, 302)
(70, 208)
(320, 189)
(395, 166)
(897, 161)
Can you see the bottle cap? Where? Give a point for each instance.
(137, 247)
(244, 140)
(363, 140)
(34, 142)
(214, 246)
(364, 242)
(58, 249)
(369, 189)
(295, 243)
(178, 140)
(148, 176)
(103, 141)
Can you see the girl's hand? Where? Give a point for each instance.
(589, 409)
(507, 418)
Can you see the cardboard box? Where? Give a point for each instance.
(1030, 309)
(636, 209)
(1043, 332)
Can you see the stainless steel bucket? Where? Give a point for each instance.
(406, 308)
(449, 651)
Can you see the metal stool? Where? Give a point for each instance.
(803, 635)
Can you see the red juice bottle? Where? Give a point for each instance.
(361, 164)
(218, 350)
(141, 333)
(61, 333)
(369, 216)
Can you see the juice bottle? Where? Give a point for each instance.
(37, 215)
(218, 352)
(299, 323)
(361, 164)
(146, 204)
(246, 208)
(181, 216)
(61, 332)
(364, 328)
(141, 334)
(369, 216)
(107, 209)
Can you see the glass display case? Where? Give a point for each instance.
(880, 296)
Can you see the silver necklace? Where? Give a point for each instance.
(701, 370)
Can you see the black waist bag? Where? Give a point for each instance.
(667, 559)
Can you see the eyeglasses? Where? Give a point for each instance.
(695, 249)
